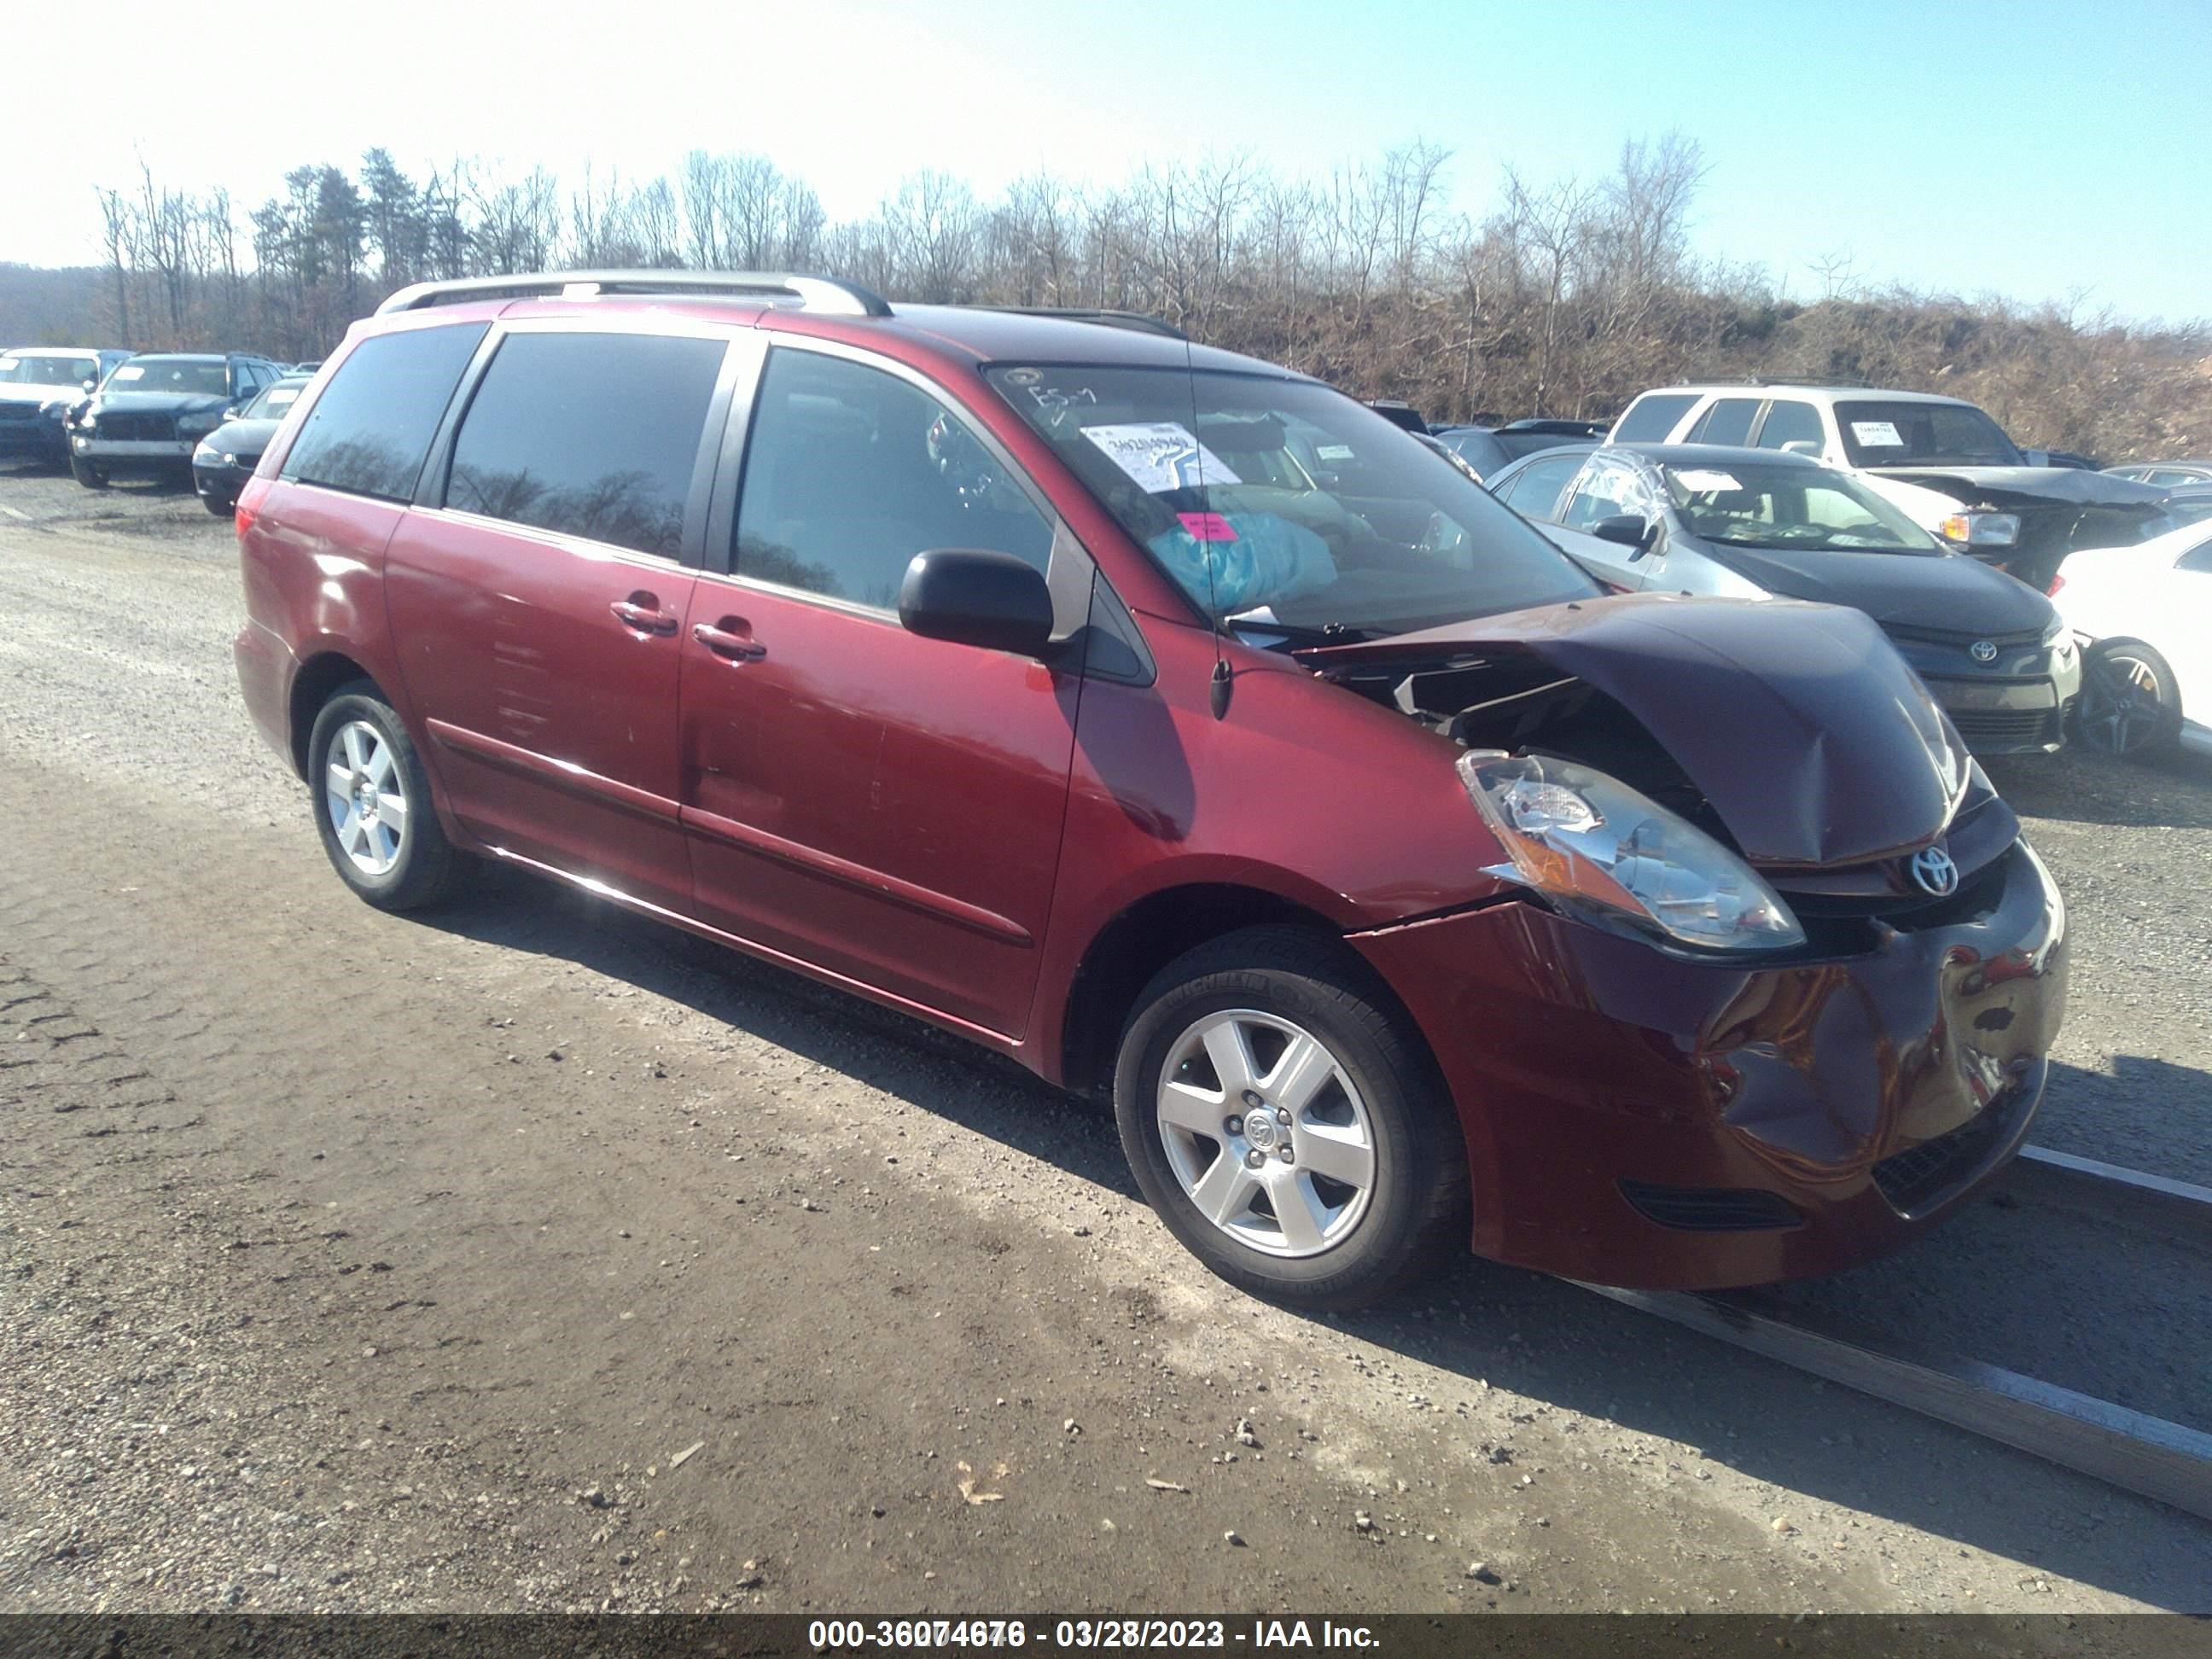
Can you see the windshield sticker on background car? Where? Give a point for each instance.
(1333, 451)
(130, 372)
(1697, 480)
(1208, 526)
(1876, 434)
(1160, 456)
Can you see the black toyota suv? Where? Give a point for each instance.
(150, 411)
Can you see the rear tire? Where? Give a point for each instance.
(394, 855)
(1276, 1037)
(91, 477)
(2129, 704)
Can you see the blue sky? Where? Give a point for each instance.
(2040, 151)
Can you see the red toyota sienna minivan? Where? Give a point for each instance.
(1181, 728)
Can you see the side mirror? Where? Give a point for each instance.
(233, 411)
(1629, 529)
(993, 600)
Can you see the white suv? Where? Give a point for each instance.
(1941, 459)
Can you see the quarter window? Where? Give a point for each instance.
(594, 435)
(1651, 418)
(850, 471)
(371, 426)
(2198, 559)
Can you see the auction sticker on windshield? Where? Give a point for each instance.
(1160, 456)
(130, 372)
(1700, 479)
(1876, 434)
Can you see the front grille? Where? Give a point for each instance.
(137, 428)
(1915, 1180)
(1953, 636)
(1711, 1209)
(1987, 729)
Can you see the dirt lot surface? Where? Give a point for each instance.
(533, 1257)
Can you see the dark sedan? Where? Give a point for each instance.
(226, 457)
(1746, 523)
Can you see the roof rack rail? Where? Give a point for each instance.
(1138, 321)
(823, 294)
(1792, 380)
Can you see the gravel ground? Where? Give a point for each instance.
(536, 1258)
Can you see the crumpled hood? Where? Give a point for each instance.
(158, 402)
(1945, 591)
(1800, 723)
(2013, 487)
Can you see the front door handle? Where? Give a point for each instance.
(738, 647)
(647, 618)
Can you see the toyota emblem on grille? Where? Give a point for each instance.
(1982, 650)
(1932, 868)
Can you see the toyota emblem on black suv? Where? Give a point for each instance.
(1982, 650)
(1932, 869)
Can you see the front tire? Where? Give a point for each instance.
(220, 507)
(91, 477)
(2129, 704)
(1285, 1124)
(372, 807)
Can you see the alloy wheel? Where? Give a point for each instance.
(365, 797)
(2122, 703)
(1266, 1132)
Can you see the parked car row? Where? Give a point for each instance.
(103, 410)
(1179, 726)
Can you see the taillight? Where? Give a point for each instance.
(244, 517)
(249, 505)
(2051, 592)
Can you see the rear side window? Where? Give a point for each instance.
(1728, 422)
(590, 435)
(1791, 424)
(369, 430)
(1535, 493)
(850, 472)
(1651, 417)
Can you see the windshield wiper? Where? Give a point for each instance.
(1300, 633)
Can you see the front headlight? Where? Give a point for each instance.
(190, 426)
(1982, 529)
(205, 451)
(84, 421)
(1614, 858)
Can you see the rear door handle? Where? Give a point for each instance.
(739, 648)
(647, 618)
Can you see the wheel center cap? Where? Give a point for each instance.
(1261, 1130)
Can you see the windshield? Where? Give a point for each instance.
(39, 370)
(188, 375)
(1281, 503)
(1749, 505)
(271, 404)
(1922, 435)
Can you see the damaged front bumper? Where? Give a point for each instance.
(1638, 1119)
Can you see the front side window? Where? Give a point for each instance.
(1792, 426)
(1607, 490)
(1877, 433)
(372, 425)
(195, 376)
(595, 436)
(1775, 504)
(31, 369)
(1728, 422)
(1534, 493)
(272, 404)
(1282, 504)
(851, 471)
(1650, 418)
